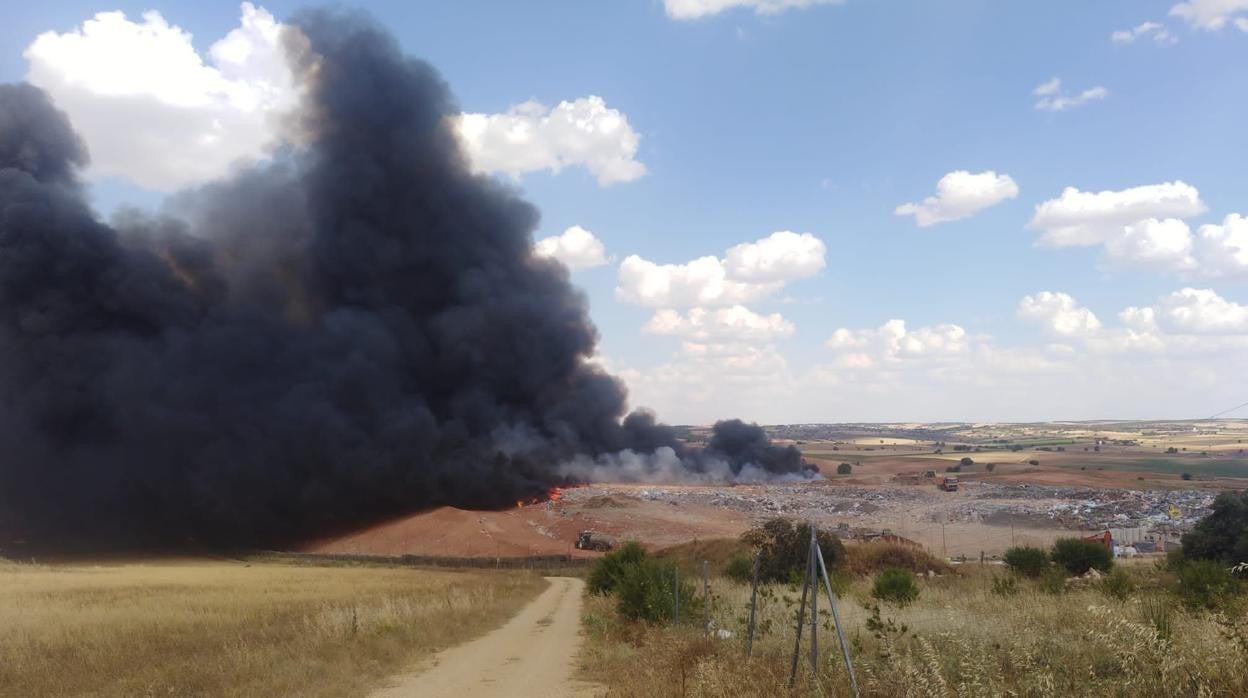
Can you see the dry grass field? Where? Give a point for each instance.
(200, 628)
(959, 639)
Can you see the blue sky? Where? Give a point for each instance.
(822, 119)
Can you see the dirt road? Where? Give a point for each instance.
(532, 656)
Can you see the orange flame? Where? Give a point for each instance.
(555, 494)
(519, 504)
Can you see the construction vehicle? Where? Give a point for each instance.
(588, 541)
(948, 483)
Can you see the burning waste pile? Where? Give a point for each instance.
(352, 329)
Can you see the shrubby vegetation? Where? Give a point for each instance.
(895, 586)
(1178, 628)
(1077, 556)
(1027, 560)
(783, 545)
(645, 587)
(1223, 534)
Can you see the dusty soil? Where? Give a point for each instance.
(532, 656)
(548, 528)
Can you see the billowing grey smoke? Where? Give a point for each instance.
(354, 329)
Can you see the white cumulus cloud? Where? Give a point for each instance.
(198, 116)
(1200, 311)
(1051, 96)
(1223, 249)
(961, 194)
(1079, 218)
(1213, 15)
(530, 137)
(892, 341)
(696, 9)
(735, 323)
(748, 272)
(781, 256)
(1165, 244)
(1059, 314)
(576, 247)
(1160, 34)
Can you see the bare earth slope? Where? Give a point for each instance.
(532, 656)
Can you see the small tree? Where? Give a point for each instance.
(607, 572)
(1205, 584)
(1223, 534)
(895, 586)
(1078, 555)
(645, 591)
(990, 467)
(1033, 461)
(1185, 476)
(967, 461)
(740, 568)
(844, 469)
(783, 547)
(1027, 560)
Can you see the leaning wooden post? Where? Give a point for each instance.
(749, 638)
(801, 620)
(836, 619)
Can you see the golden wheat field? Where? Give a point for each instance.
(202, 628)
(958, 639)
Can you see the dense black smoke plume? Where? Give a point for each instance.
(353, 329)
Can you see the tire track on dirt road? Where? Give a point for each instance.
(533, 655)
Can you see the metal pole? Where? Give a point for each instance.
(836, 620)
(801, 620)
(814, 604)
(749, 638)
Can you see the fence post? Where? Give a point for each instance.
(814, 604)
(749, 638)
(836, 620)
(801, 621)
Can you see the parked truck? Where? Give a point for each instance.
(948, 483)
(588, 541)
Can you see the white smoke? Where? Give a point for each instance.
(664, 467)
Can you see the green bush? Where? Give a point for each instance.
(783, 548)
(646, 592)
(1205, 584)
(844, 469)
(1117, 585)
(1027, 560)
(1005, 585)
(740, 569)
(967, 461)
(607, 572)
(1223, 534)
(895, 586)
(1078, 555)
